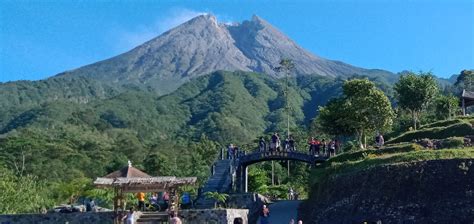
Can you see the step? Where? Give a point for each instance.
(152, 222)
(154, 213)
(157, 216)
(152, 219)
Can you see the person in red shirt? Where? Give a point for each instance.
(312, 146)
(317, 146)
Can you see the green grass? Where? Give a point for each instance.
(445, 123)
(371, 158)
(439, 130)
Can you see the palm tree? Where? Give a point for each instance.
(219, 198)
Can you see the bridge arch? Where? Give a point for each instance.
(243, 161)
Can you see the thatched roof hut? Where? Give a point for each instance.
(144, 184)
(131, 179)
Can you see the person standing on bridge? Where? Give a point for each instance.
(292, 144)
(262, 144)
(287, 144)
(324, 147)
(273, 143)
(278, 142)
(230, 151)
(312, 146)
(317, 147)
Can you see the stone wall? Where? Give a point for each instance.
(58, 218)
(192, 216)
(436, 191)
(213, 216)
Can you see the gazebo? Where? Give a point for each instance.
(467, 100)
(131, 180)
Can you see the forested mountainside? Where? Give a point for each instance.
(224, 107)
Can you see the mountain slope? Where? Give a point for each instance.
(68, 137)
(202, 45)
(222, 105)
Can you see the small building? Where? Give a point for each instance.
(467, 100)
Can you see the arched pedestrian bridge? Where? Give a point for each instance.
(243, 161)
(231, 175)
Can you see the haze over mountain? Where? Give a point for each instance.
(202, 45)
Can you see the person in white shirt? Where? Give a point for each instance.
(174, 218)
(130, 217)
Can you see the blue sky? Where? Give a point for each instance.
(39, 39)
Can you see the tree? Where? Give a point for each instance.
(286, 66)
(415, 92)
(156, 164)
(22, 194)
(334, 119)
(362, 109)
(257, 180)
(465, 80)
(446, 106)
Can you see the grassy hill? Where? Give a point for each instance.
(424, 186)
(458, 127)
(403, 178)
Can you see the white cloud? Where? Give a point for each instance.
(132, 38)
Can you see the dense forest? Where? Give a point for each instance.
(57, 135)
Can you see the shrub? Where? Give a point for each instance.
(453, 142)
(350, 146)
(278, 191)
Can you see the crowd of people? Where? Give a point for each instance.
(156, 202)
(316, 147)
(276, 144)
(323, 147)
(234, 151)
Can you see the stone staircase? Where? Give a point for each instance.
(153, 218)
(220, 182)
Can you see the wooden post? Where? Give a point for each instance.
(288, 166)
(174, 200)
(273, 173)
(463, 106)
(245, 177)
